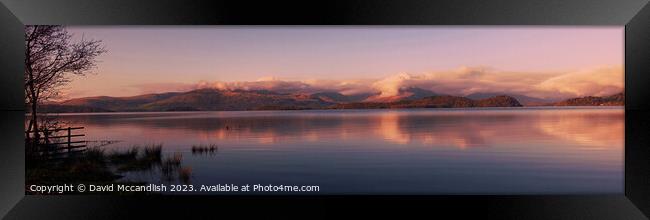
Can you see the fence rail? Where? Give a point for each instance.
(53, 145)
(64, 136)
(56, 129)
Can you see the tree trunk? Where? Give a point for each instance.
(34, 121)
(33, 98)
(36, 136)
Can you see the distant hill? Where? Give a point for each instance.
(108, 103)
(220, 100)
(409, 93)
(414, 93)
(523, 99)
(230, 100)
(444, 101)
(70, 108)
(335, 97)
(196, 100)
(613, 100)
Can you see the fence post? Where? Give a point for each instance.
(69, 136)
(47, 141)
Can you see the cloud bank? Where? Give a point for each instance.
(462, 81)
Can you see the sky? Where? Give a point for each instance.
(540, 61)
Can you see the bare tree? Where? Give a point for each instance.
(50, 60)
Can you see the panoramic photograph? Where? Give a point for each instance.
(367, 110)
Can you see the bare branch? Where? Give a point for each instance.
(50, 57)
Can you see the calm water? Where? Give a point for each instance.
(423, 151)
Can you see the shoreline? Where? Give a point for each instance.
(523, 108)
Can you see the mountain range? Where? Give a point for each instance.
(230, 100)
(612, 100)
(523, 99)
(441, 101)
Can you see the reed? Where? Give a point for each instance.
(184, 174)
(204, 149)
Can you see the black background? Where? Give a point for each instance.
(634, 14)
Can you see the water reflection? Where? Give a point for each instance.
(603, 128)
(566, 149)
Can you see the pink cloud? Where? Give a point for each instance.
(594, 82)
(462, 81)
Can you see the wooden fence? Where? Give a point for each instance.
(56, 142)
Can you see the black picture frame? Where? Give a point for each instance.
(633, 14)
